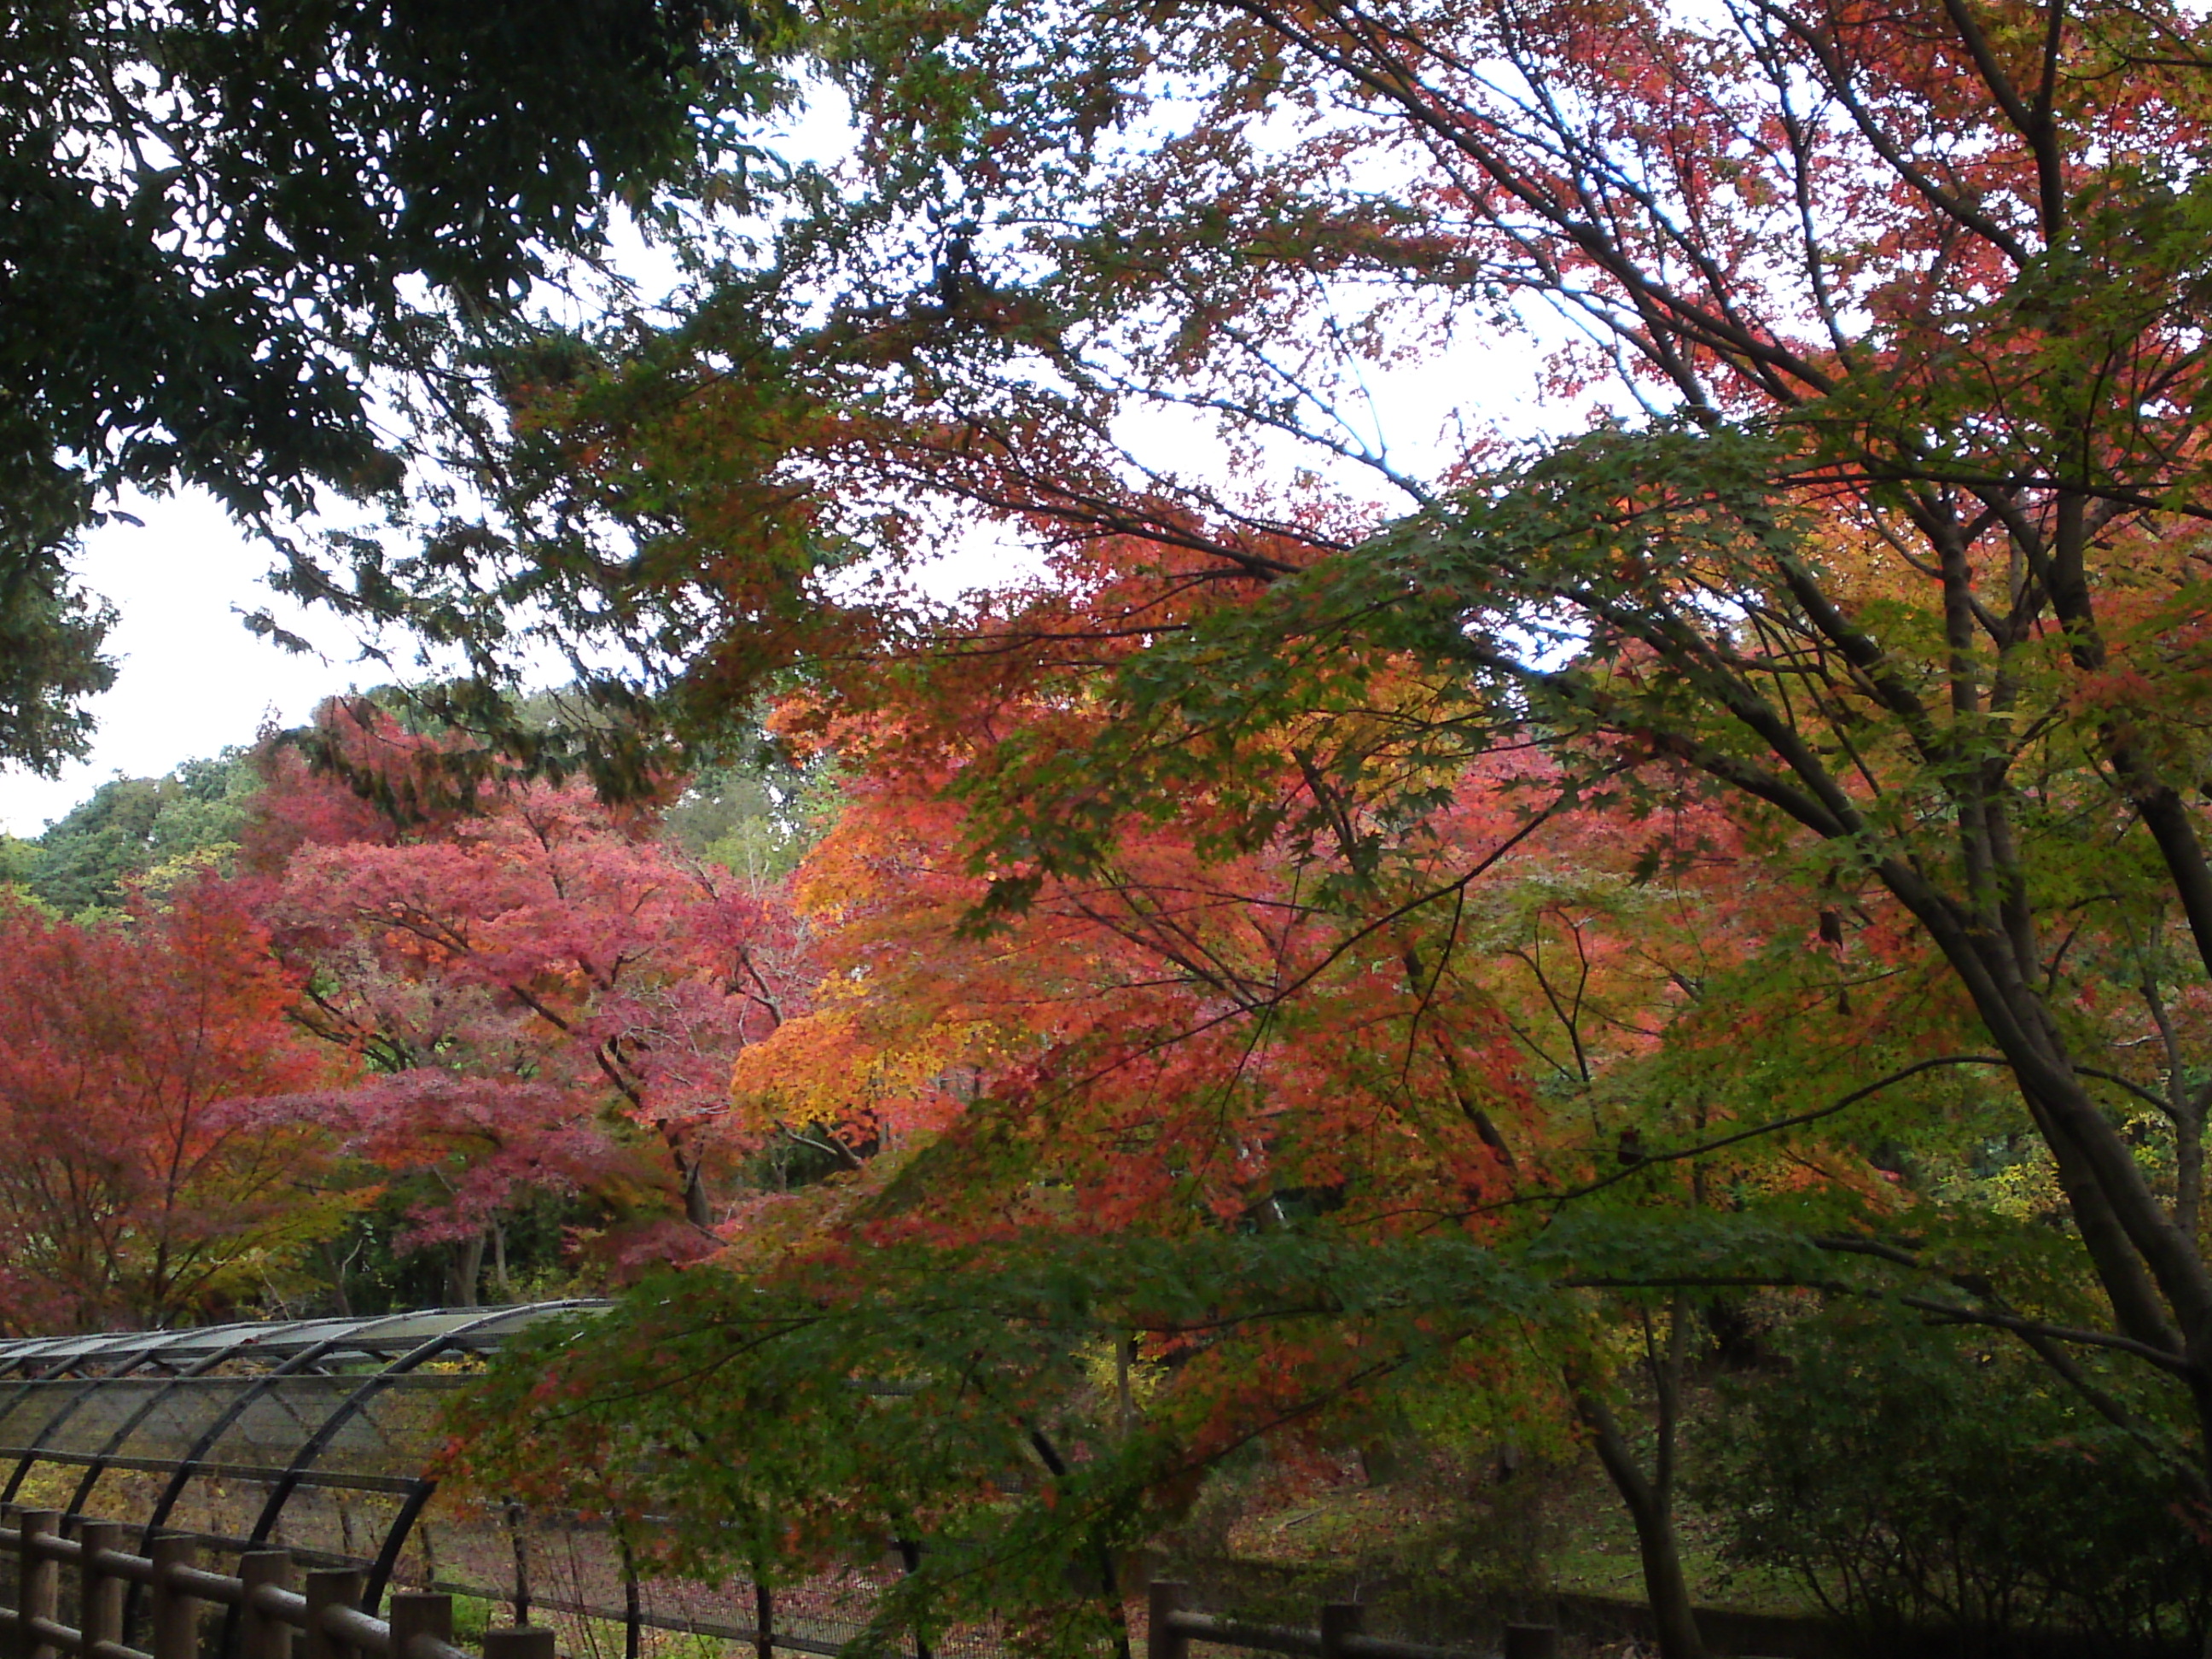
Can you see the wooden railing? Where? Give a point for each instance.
(1174, 1625)
(327, 1617)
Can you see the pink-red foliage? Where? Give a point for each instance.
(534, 981)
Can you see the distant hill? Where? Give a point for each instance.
(135, 830)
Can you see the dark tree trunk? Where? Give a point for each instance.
(463, 1268)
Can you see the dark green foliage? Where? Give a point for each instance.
(964, 1397)
(137, 828)
(1949, 1478)
(50, 662)
(222, 221)
(49, 632)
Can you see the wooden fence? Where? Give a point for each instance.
(327, 1617)
(1173, 1626)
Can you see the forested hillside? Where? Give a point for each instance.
(136, 832)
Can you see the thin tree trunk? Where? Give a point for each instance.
(696, 1210)
(1650, 1498)
(499, 1261)
(1664, 1587)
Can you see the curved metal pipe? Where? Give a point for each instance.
(188, 1465)
(410, 1510)
(395, 1539)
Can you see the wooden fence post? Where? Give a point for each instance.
(519, 1642)
(99, 1594)
(176, 1615)
(418, 1613)
(1532, 1642)
(260, 1636)
(1338, 1621)
(334, 1587)
(37, 1580)
(1162, 1639)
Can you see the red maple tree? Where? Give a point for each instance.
(161, 1164)
(546, 992)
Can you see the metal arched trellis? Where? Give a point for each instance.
(324, 1421)
(317, 1436)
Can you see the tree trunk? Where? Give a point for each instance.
(1650, 1499)
(1652, 1511)
(696, 1210)
(463, 1268)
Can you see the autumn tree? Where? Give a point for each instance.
(1182, 1040)
(525, 975)
(1512, 1014)
(158, 1168)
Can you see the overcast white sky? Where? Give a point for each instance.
(192, 679)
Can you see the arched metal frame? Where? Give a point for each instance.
(303, 1461)
(83, 1391)
(131, 1424)
(304, 1360)
(381, 1353)
(267, 1413)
